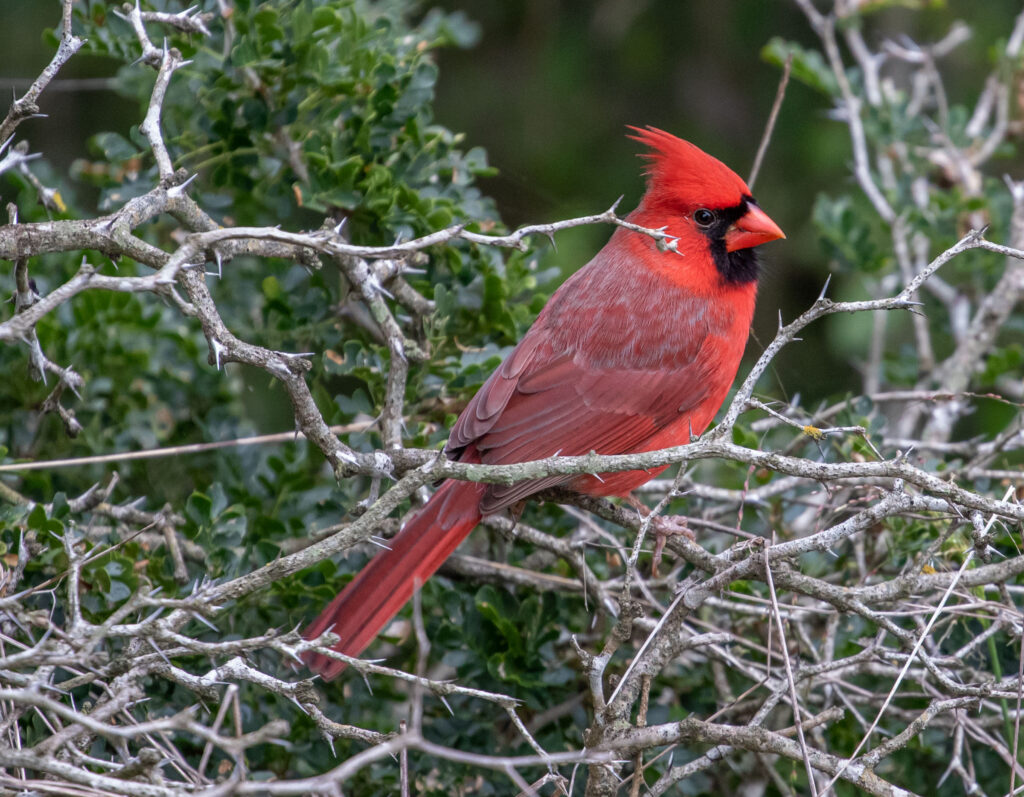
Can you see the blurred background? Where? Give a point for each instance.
(547, 88)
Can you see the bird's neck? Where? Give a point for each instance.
(686, 262)
(636, 306)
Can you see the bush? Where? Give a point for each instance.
(286, 205)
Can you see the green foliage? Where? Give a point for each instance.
(809, 66)
(311, 108)
(314, 111)
(848, 234)
(308, 109)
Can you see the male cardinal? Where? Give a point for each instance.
(633, 353)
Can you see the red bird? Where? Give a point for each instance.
(636, 350)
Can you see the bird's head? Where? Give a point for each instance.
(702, 199)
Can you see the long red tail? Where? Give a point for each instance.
(384, 586)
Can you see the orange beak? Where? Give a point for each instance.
(752, 229)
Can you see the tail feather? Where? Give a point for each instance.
(385, 585)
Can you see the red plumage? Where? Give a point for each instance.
(632, 353)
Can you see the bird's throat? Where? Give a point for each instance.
(736, 268)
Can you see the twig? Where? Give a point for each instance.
(766, 137)
(174, 451)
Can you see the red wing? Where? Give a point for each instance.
(619, 353)
(484, 408)
(540, 403)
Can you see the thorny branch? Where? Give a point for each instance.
(819, 493)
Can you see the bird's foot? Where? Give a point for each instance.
(664, 526)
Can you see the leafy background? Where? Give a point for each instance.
(392, 116)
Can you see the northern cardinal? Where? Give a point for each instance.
(634, 352)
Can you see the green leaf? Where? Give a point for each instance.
(809, 66)
(113, 147)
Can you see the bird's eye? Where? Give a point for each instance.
(704, 217)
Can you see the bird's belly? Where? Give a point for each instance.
(621, 483)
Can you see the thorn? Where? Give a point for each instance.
(346, 455)
(279, 368)
(204, 621)
(668, 244)
(178, 190)
(615, 205)
(159, 652)
(373, 285)
(340, 226)
(824, 288)
(217, 347)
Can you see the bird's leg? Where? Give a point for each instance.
(664, 527)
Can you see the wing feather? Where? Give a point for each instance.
(568, 408)
(606, 374)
